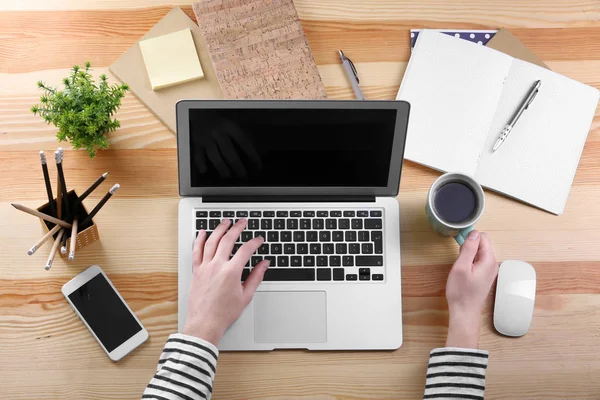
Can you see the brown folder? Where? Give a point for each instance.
(507, 43)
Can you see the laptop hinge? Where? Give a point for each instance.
(288, 199)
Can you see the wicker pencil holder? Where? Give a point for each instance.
(86, 235)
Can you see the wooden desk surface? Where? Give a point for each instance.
(45, 351)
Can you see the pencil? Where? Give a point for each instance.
(48, 185)
(73, 243)
(101, 204)
(58, 156)
(54, 248)
(43, 216)
(63, 247)
(89, 191)
(43, 240)
(58, 198)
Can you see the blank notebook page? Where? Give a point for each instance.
(538, 160)
(453, 91)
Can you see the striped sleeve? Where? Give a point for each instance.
(455, 373)
(186, 370)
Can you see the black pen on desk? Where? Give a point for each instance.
(48, 185)
(89, 191)
(100, 205)
(58, 156)
(352, 75)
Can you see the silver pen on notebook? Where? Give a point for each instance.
(352, 75)
(504, 134)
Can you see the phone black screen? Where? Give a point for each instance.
(105, 312)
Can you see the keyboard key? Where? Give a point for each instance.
(305, 224)
(296, 261)
(295, 214)
(350, 236)
(242, 214)
(364, 271)
(228, 214)
(338, 236)
(375, 213)
(272, 259)
(282, 213)
(292, 224)
(245, 274)
(273, 236)
(263, 249)
(266, 224)
(341, 248)
(253, 224)
(262, 234)
(322, 213)
(276, 248)
(201, 224)
(215, 214)
(321, 261)
(344, 223)
(312, 236)
(323, 274)
(302, 248)
(325, 236)
(369, 261)
(364, 277)
(298, 236)
(236, 247)
(348, 213)
(338, 274)
(351, 277)
(213, 223)
(357, 224)
(318, 223)
(366, 248)
(363, 236)
(328, 248)
(308, 214)
(335, 213)
(208, 233)
(335, 261)
(269, 214)
(283, 261)
(290, 274)
(331, 223)
(377, 239)
(286, 236)
(309, 261)
(377, 277)
(279, 224)
(255, 260)
(362, 213)
(315, 248)
(254, 214)
(246, 236)
(201, 214)
(289, 248)
(354, 248)
(373, 223)
(348, 261)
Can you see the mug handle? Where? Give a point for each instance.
(462, 235)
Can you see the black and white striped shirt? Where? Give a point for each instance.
(187, 368)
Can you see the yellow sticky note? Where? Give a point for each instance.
(171, 59)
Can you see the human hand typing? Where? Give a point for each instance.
(217, 295)
(468, 285)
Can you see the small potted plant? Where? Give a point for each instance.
(82, 111)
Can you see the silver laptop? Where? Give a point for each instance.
(318, 180)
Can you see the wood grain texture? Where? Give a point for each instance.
(47, 353)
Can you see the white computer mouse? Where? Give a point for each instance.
(515, 298)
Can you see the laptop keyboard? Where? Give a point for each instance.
(310, 245)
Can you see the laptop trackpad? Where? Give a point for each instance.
(290, 317)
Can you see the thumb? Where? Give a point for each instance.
(254, 280)
(468, 250)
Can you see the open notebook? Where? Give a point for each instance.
(462, 94)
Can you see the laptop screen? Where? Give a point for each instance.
(299, 147)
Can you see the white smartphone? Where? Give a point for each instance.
(104, 312)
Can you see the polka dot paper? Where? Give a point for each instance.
(480, 37)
